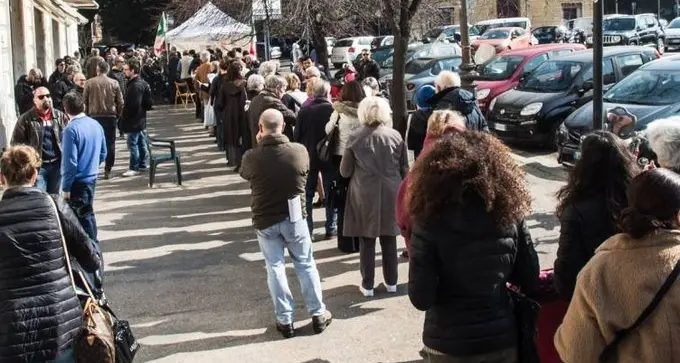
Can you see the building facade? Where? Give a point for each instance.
(33, 34)
(541, 12)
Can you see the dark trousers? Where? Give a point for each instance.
(502, 356)
(109, 125)
(339, 199)
(82, 202)
(328, 175)
(49, 177)
(388, 244)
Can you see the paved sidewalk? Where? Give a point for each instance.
(183, 266)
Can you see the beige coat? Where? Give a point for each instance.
(613, 290)
(376, 160)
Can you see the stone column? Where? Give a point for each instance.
(50, 57)
(29, 35)
(7, 106)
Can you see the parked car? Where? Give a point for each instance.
(641, 29)
(673, 35)
(346, 50)
(450, 32)
(503, 39)
(552, 34)
(485, 25)
(274, 52)
(650, 93)
(382, 41)
(505, 70)
(534, 110)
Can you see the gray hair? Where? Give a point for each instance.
(320, 88)
(255, 83)
(664, 139)
(312, 72)
(95, 52)
(205, 56)
(375, 111)
(103, 67)
(268, 68)
(372, 83)
(447, 79)
(274, 82)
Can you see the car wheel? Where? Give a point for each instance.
(552, 137)
(660, 45)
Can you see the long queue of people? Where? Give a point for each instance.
(462, 209)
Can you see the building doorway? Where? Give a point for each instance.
(507, 8)
(572, 11)
(40, 48)
(17, 25)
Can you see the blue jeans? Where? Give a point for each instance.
(65, 357)
(328, 175)
(82, 203)
(295, 238)
(49, 177)
(137, 147)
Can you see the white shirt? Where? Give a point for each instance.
(186, 63)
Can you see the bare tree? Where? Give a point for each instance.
(401, 13)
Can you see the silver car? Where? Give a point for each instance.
(673, 35)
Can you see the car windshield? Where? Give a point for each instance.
(496, 34)
(618, 24)
(500, 67)
(433, 33)
(418, 65)
(675, 24)
(553, 76)
(483, 28)
(647, 87)
(344, 43)
(381, 55)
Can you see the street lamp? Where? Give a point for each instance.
(467, 67)
(598, 102)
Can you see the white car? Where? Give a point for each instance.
(524, 23)
(346, 50)
(673, 35)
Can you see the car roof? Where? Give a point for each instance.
(357, 38)
(506, 28)
(664, 64)
(586, 56)
(503, 20)
(538, 49)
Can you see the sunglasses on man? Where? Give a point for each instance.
(364, 54)
(42, 97)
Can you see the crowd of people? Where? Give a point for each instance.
(461, 208)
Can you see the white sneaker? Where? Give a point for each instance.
(130, 173)
(366, 293)
(391, 289)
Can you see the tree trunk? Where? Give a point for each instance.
(319, 40)
(398, 92)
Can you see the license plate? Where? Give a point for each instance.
(674, 41)
(500, 127)
(577, 155)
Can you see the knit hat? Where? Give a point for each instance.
(423, 95)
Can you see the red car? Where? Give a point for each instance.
(504, 71)
(503, 39)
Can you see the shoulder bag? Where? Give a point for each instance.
(326, 146)
(95, 343)
(609, 352)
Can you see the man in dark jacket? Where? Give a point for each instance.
(23, 90)
(173, 73)
(450, 96)
(41, 128)
(275, 88)
(367, 66)
(133, 119)
(59, 72)
(277, 170)
(117, 74)
(310, 129)
(63, 86)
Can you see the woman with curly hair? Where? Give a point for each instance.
(590, 204)
(468, 201)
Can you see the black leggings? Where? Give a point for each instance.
(388, 244)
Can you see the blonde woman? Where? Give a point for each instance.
(376, 160)
(294, 98)
(40, 314)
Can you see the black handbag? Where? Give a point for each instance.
(609, 352)
(526, 317)
(125, 342)
(325, 147)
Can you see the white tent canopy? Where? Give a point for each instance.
(209, 27)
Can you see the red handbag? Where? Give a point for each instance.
(553, 309)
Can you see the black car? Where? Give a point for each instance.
(534, 110)
(551, 34)
(640, 29)
(650, 93)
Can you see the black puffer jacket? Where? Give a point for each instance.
(40, 314)
(463, 101)
(459, 266)
(584, 225)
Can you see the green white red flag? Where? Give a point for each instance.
(159, 44)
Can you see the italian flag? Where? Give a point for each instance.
(159, 44)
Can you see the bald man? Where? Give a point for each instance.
(277, 171)
(41, 127)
